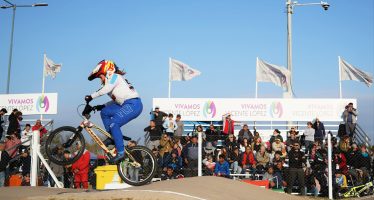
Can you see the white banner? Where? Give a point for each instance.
(30, 104)
(203, 109)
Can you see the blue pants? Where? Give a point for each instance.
(114, 116)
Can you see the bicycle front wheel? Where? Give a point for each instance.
(139, 166)
(65, 145)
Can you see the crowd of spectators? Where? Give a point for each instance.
(297, 163)
(15, 159)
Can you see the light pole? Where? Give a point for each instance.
(290, 5)
(14, 6)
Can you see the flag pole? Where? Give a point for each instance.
(169, 94)
(256, 95)
(41, 115)
(340, 79)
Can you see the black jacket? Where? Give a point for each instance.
(4, 160)
(296, 159)
(154, 134)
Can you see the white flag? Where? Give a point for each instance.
(266, 72)
(349, 72)
(182, 72)
(50, 68)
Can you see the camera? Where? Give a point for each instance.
(325, 5)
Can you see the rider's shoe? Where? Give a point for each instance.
(108, 142)
(118, 158)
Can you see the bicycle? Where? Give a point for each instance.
(137, 168)
(366, 189)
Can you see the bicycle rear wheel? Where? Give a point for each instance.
(139, 167)
(62, 146)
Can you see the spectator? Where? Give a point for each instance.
(190, 155)
(311, 183)
(277, 157)
(68, 174)
(209, 165)
(269, 175)
(290, 141)
(276, 135)
(341, 181)
(248, 160)
(39, 127)
(26, 136)
(199, 130)
(245, 133)
(180, 127)
(256, 145)
(223, 152)
(80, 169)
(280, 174)
(234, 160)
(244, 143)
(169, 175)
(209, 149)
(14, 123)
(11, 143)
(231, 143)
(212, 135)
(26, 180)
(309, 136)
(170, 125)
(293, 131)
(134, 170)
(350, 118)
(166, 145)
(341, 161)
(222, 167)
(344, 144)
(178, 146)
(58, 170)
(3, 111)
(263, 159)
(320, 132)
(175, 162)
(159, 117)
(25, 162)
(353, 155)
(279, 146)
(228, 125)
(4, 160)
(154, 135)
(296, 160)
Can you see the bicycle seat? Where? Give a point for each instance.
(126, 138)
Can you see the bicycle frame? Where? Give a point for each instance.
(356, 191)
(88, 125)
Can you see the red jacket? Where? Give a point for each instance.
(226, 126)
(40, 128)
(82, 164)
(248, 159)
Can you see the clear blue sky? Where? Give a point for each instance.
(220, 38)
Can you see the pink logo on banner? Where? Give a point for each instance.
(209, 109)
(276, 110)
(42, 104)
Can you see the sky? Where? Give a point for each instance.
(220, 38)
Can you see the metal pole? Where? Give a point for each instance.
(256, 95)
(34, 158)
(340, 78)
(329, 155)
(200, 155)
(288, 94)
(169, 94)
(11, 50)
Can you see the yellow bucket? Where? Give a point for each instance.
(105, 175)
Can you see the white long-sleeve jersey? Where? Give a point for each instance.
(118, 88)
